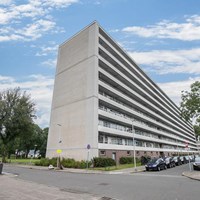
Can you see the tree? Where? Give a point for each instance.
(190, 105)
(16, 114)
(43, 141)
(32, 138)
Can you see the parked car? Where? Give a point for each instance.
(156, 164)
(177, 160)
(196, 163)
(169, 162)
(192, 158)
(183, 159)
(187, 158)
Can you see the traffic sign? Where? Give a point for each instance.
(88, 146)
(59, 151)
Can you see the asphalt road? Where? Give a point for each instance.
(164, 185)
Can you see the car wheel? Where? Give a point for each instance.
(147, 169)
(158, 168)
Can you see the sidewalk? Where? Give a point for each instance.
(89, 171)
(13, 188)
(192, 174)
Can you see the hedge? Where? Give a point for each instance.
(65, 162)
(128, 160)
(103, 162)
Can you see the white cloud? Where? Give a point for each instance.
(5, 2)
(50, 63)
(44, 50)
(178, 86)
(166, 61)
(40, 87)
(30, 32)
(29, 21)
(187, 31)
(59, 3)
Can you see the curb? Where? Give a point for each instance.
(79, 172)
(189, 176)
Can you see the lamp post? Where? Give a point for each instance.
(59, 150)
(134, 160)
(59, 137)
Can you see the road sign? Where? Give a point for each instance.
(59, 151)
(88, 146)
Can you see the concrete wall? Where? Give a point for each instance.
(75, 97)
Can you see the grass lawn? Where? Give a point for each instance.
(124, 166)
(22, 161)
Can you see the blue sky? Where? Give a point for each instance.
(163, 37)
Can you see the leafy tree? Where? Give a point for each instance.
(43, 141)
(16, 115)
(190, 105)
(33, 138)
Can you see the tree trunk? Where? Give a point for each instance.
(3, 153)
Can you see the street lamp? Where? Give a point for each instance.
(59, 138)
(134, 159)
(59, 150)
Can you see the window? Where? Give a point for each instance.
(128, 153)
(100, 138)
(103, 153)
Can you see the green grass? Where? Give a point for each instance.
(118, 167)
(21, 161)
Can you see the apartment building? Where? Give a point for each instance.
(104, 105)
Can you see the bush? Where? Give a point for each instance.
(128, 160)
(43, 162)
(103, 162)
(145, 160)
(65, 162)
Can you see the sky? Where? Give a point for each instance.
(163, 38)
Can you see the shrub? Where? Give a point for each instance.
(53, 161)
(128, 160)
(68, 162)
(103, 162)
(43, 162)
(145, 159)
(65, 162)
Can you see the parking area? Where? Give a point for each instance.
(175, 171)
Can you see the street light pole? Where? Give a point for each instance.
(59, 138)
(59, 143)
(134, 159)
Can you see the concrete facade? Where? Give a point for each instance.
(74, 114)
(101, 97)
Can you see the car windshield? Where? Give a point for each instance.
(153, 160)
